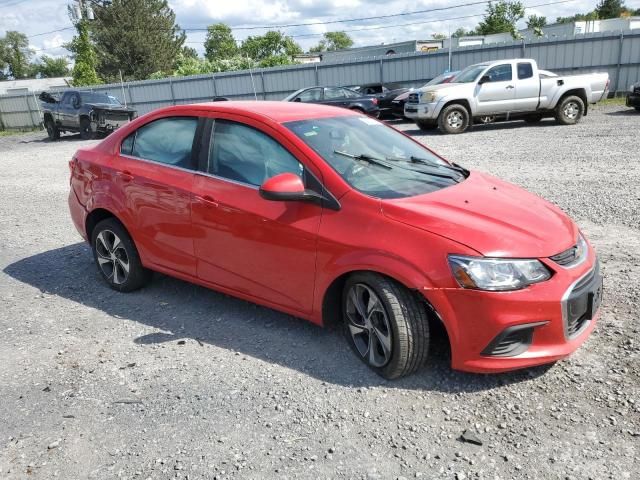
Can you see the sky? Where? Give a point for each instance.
(35, 17)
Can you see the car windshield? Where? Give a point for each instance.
(375, 159)
(92, 97)
(470, 74)
(288, 98)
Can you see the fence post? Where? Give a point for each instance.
(317, 76)
(26, 99)
(2, 125)
(173, 97)
(381, 70)
(264, 94)
(213, 84)
(524, 48)
(619, 64)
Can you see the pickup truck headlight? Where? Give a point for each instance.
(497, 274)
(428, 97)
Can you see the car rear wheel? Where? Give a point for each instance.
(117, 257)
(570, 110)
(385, 325)
(52, 131)
(453, 119)
(86, 133)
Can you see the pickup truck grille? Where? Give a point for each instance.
(413, 98)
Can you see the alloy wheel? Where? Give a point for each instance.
(369, 325)
(112, 257)
(571, 110)
(455, 120)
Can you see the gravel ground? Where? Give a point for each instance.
(176, 381)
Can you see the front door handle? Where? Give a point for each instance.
(207, 200)
(509, 87)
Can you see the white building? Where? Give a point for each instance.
(33, 85)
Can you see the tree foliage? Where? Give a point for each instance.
(501, 17)
(272, 48)
(610, 9)
(15, 55)
(137, 37)
(536, 23)
(49, 67)
(333, 41)
(86, 60)
(220, 43)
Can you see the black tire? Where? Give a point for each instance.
(406, 325)
(569, 110)
(426, 125)
(113, 257)
(637, 109)
(453, 119)
(52, 131)
(533, 118)
(85, 129)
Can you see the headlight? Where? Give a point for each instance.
(428, 97)
(497, 274)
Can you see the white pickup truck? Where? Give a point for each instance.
(505, 88)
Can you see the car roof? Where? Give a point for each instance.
(277, 111)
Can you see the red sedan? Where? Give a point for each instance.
(332, 216)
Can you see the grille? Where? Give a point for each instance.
(567, 257)
(413, 98)
(575, 325)
(512, 342)
(576, 308)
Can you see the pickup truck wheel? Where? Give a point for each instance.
(85, 129)
(570, 110)
(52, 131)
(426, 126)
(453, 119)
(385, 325)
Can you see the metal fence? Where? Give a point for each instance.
(617, 53)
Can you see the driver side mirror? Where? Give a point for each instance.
(287, 187)
(484, 79)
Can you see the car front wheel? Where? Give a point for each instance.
(52, 131)
(453, 119)
(117, 257)
(385, 325)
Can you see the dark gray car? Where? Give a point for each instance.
(337, 96)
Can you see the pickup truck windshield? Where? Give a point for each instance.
(470, 74)
(92, 97)
(375, 159)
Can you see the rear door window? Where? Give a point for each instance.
(168, 141)
(525, 70)
(333, 93)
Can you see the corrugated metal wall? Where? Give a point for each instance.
(613, 52)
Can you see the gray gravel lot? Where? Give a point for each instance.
(176, 381)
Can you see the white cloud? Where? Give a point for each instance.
(37, 16)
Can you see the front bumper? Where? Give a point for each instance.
(633, 100)
(550, 317)
(421, 111)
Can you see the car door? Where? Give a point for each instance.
(67, 110)
(497, 94)
(527, 88)
(155, 172)
(335, 96)
(260, 248)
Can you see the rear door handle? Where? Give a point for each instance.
(509, 87)
(207, 200)
(125, 175)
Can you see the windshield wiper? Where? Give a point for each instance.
(367, 158)
(428, 163)
(455, 167)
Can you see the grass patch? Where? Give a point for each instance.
(616, 101)
(8, 133)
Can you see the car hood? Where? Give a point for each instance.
(446, 87)
(110, 106)
(495, 218)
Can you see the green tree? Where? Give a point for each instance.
(15, 54)
(333, 41)
(272, 48)
(219, 43)
(501, 17)
(137, 37)
(49, 67)
(189, 52)
(578, 17)
(461, 32)
(86, 60)
(610, 9)
(438, 36)
(536, 23)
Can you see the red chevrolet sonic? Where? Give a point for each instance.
(330, 215)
